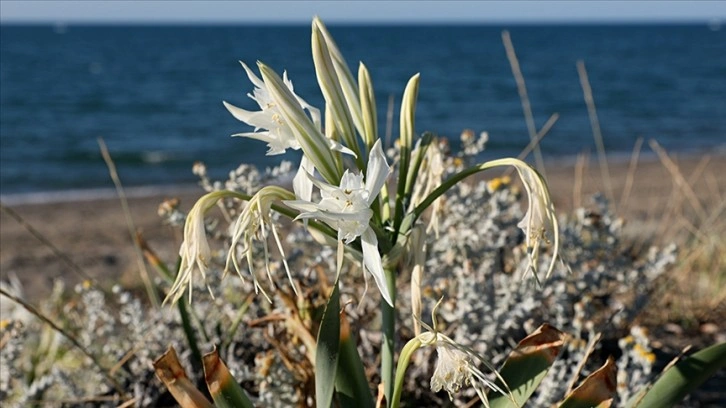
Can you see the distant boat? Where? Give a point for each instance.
(714, 25)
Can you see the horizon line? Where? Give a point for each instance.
(355, 22)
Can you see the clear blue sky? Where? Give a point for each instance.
(360, 11)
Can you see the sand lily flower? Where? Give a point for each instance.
(455, 368)
(346, 208)
(194, 251)
(255, 223)
(269, 122)
(540, 220)
(456, 365)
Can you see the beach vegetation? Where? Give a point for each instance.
(478, 299)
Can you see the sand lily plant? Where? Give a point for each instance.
(370, 206)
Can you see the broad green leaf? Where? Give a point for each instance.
(225, 391)
(527, 365)
(172, 374)
(597, 390)
(326, 354)
(684, 377)
(350, 381)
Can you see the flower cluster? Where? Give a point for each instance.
(341, 188)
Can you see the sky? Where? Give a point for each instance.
(359, 11)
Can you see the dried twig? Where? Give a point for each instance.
(588, 351)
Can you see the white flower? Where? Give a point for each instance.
(347, 209)
(540, 219)
(456, 365)
(194, 251)
(269, 122)
(255, 222)
(454, 369)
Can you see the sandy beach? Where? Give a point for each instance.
(92, 231)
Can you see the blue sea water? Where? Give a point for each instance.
(155, 93)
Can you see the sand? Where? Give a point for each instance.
(93, 234)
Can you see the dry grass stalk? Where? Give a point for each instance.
(535, 142)
(35, 312)
(580, 165)
(150, 291)
(526, 106)
(625, 196)
(596, 133)
(45, 241)
(678, 179)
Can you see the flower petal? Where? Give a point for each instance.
(373, 263)
(301, 184)
(377, 171)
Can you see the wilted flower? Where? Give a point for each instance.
(347, 209)
(456, 365)
(255, 222)
(540, 219)
(454, 368)
(194, 251)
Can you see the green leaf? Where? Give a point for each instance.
(225, 390)
(597, 390)
(326, 353)
(678, 381)
(526, 366)
(350, 381)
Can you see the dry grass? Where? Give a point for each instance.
(695, 291)
(665, 200)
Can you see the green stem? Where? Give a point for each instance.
(189, 333)
(388, 314)
(403, 360)
(456, 178)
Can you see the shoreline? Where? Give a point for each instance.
(615, 159)
(90, 228)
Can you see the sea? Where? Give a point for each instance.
(154, 93)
